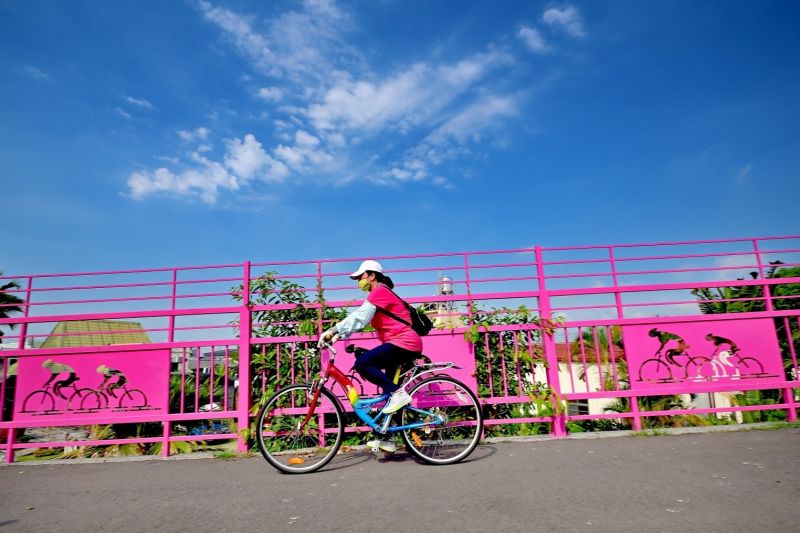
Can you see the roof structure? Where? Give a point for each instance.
(75, 333)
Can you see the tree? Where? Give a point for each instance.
(9, 303)
(513, 350)
(603, 349)
(749, 298)
(274, 365)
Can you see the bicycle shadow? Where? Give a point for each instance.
(350, 458)
(357, 456)
(481, 452)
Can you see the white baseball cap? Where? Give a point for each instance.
(369, 264)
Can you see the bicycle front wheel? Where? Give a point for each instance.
(452, 418)
(297, 433)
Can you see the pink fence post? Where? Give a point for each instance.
(23, 334)
(559, 426)
(173, 305)
(791, 410)
(764, 288)
(245, 326)
(637, 419)
(12, 435)
(166, 424)
(615, 279)
(23, 328)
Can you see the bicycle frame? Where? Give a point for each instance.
(363, 407)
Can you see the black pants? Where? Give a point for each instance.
(386, 355)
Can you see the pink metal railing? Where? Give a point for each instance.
(190, 309)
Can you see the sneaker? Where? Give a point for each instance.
(399, 398)
(388, 446)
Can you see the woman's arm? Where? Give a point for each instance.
(357, 320)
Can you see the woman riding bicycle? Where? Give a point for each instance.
(399, 343)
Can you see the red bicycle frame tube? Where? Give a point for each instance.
(330, 371)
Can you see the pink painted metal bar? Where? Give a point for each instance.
(608, 372)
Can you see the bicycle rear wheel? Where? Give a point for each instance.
(452, 416)
(750, 367)
(293, 441)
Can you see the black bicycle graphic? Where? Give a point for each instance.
(43, 401)
(659, 369)
(89, 400)
(698, 368)
(724, 364)
(113, 392)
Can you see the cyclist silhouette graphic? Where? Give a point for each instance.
(108, 375)
(719, 341)
(665, 337)
(56, 370)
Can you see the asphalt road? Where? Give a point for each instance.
(723, 481)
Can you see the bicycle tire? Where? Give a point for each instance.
(77, 397)
(31, 400)
(306, 451)
(658, 363)
(698, 368)
(461, 432)
(750, 364)
(101, 403)
(132, 394)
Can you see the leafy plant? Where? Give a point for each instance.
(9, 303)
(520, 352)
(275, 365)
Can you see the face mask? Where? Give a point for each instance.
(363, 284)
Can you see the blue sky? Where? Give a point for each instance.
(148, 134)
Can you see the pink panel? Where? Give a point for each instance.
(439, 346)
(81, 387)
(695, 354)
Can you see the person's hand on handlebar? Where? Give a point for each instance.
(328, 338)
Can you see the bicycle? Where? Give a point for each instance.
(724, 364)
(43, 400)
(88, 400)
(660, 370)
(300, 428)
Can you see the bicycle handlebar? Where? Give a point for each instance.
(327, 346)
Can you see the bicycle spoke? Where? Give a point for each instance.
(292, 438)
(452, 420)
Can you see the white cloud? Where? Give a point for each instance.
(569, 19)
(203, 182)
(248, 160)
(292, 44)
(36, 73)
(270, 94)
(404, 100)
(472, 123)
(244, 161)
(337, 119)
(198, 134)
(305, 154)
(122, 112)
(743, 174)
(139, 102)
(365, 105)
(532, 39)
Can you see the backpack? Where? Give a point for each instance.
(420, 322)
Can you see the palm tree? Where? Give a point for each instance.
(8, 302)
(748, 298)
(603, 350)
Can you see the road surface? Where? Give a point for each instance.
(707, 482)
